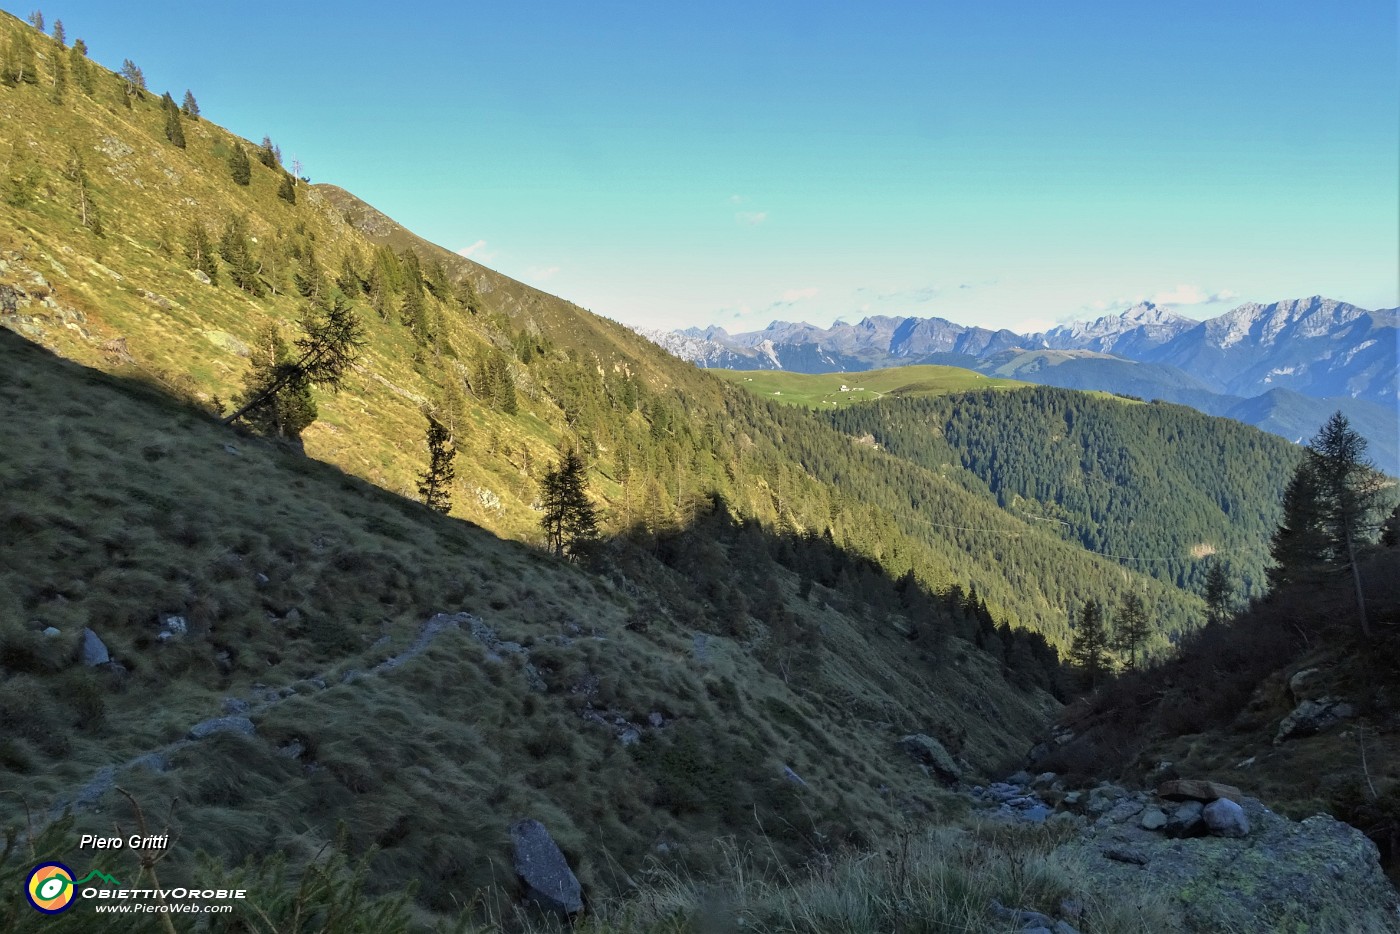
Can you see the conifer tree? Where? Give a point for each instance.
(190, 107)
(1131, 627)
(36, 19)
(1351, 490)
(200, 251)
(570, 521)
(268, 154)
(238, 165)
(1089, 649)
(59, 34)
(287, 191)
(286, 406)
(237, 250)
(435, 483)
(81, 68)
(174, 129)
(331, 343)
(76, 172)
(1218, 594)
(414, 314)
(60, 80)
(133, 81)
(19, 65)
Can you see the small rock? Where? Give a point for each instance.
(52, 631)
(94, 651)
(1043, 781)
(173, 624)
(549, 881)
(1153, 818)
(231, 449)
(261, 579)
(1225, 818)
(208, 728)
(1186, 789)
(1186, 821)
(232, 705)
(630, 736)
(1123, 854)
(202, 276)
(656, 720)
(1020, 778)
(1123, 810)
(155, 761)
(292, 750)
(1298, 684)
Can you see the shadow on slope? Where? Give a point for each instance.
(716, 681)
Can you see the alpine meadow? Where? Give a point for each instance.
(348, 584)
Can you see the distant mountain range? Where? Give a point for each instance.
(1282, 367)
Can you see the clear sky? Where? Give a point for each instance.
(1008, 164)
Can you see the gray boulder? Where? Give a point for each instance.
(549, 882)
(1186, 820)
(214, 725)
(1315, 875)
(930, 752)
(1225, 818)
(52, 631)
(94, 651)
(1153, 818)
(1313, 716)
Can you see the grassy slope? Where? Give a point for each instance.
(127, 303)
(824, 390)
(139, 502)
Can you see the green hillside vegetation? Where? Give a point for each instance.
(1161, 485)
(825, 390)
(512, 373)
(122, 504)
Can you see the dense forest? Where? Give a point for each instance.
(1158, 486)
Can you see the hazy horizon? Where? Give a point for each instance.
(1014, 167)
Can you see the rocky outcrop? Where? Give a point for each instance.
(548, 880)
(1313, 716)
(1188, 789)
(930, 752)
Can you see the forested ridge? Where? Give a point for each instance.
(1161, 486)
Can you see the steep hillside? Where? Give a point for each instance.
(230, 577)
(1288, 702)
(1162, 486)
(109, 231)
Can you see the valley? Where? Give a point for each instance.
(407, 596)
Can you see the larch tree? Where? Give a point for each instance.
(276, 396)
(1219, 592)
(239, 166)
(59, 34)
(435, 482)
(190, 107)
(570, 520)
(332, 340)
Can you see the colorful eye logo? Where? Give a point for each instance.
(50, 888)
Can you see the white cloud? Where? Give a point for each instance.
(751, 218)
(543, 273)
(1191, 295)
(793, 296)
(736, 199)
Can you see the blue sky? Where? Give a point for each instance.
(1008, 164)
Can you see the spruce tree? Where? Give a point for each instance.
(1089, 649)
(1131, 628)
(268, 154)
(190, 107)
(570, 521)
(238, 165)
(287, 190)
(81, 67)
(174, 129)
(36, 19)
(1218, 592)
(59, 34)
(435, 483)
